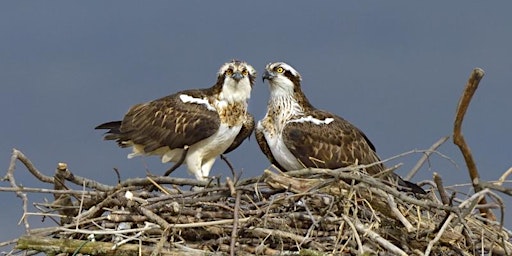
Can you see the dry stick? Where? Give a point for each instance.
(425, 156)
(160, 244)
(23, 196)
(356, 234)
(379, 239)
(458, 139)
(163, 180)
(155, 184)
(472, 200)
(442, 192)
(68, 175)
(231, 186)
(398, 214)
(150, 226)
(209, 223)
(16, 154)
(504, 176)
(51, 191)
(277, 233)
(52, 246)
(493, 186)
(235, 223)
(374, 183)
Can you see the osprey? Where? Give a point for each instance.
(204, 122)
(295, 135)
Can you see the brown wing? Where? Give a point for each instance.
(333, 145)
(260, 138)
(168, 122)
(245, 132)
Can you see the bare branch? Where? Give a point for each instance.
(458, 138)
(425, 156)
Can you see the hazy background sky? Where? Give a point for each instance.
(394, 69)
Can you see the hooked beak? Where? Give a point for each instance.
(237, 76)
(267, 75)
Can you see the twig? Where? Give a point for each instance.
(496, 187)
(277, 233)
(235, 224)
(155, 184)
(209, 223)
(472, 200)
(398, 214)
(81, 206)
(163, 238)
(379, 239)
(458, 139)
(163, 180)
(504, 176)
(155, 218)
(109, 231)
(356, 234)
(18, 155)
(10, 176)
(440, 188)
(425, 156)
(52, 245)
(51, 191)
(374, 183)
(231, 186)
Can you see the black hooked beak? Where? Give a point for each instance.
(237, 76)
(267, 75)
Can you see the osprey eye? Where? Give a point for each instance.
(245, 72)
(229, 72)
(279, 70)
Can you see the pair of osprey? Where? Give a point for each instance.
(213, 121)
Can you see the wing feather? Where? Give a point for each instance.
(169, 121)
(330, 145)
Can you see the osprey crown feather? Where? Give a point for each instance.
(209, 121)
(295, 135)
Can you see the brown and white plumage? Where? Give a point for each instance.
(295, 135)
(209, 121)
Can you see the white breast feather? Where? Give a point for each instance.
(279, 150)
(201, 155)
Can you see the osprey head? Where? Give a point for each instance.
(236, 79)
(281, 77)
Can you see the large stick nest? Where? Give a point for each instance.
(308, 212)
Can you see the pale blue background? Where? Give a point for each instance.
(396, 69)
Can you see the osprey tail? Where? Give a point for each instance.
(113, 133)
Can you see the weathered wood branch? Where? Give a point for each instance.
(458, 139)
(53, 246)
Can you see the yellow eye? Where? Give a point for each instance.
(229, 72)
(279, 70)
(245, 72)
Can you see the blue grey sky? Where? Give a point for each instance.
(395, 69)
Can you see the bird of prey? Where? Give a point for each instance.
(295, 135)
(201, 123)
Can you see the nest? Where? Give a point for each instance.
(307, 212)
